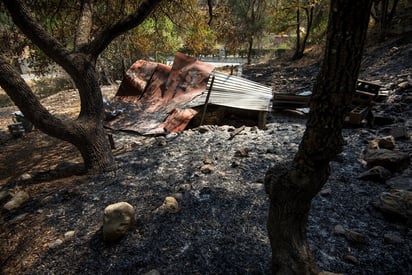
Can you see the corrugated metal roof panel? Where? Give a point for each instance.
(237, 92)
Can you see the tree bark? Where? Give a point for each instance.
(84, 27)
(249, 50)
(86, 132)
(291, 187)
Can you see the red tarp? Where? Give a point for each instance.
(154, 96)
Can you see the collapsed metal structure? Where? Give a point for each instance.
(156, 99)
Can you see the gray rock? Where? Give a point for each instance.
(377, 173)
(69, 235)
(153, 272)
(170, 205)
(351, 259)
(387, 142)
(242, 153)
(403, 182)
(118, 218)
(356, 237)
(25, 176)
(400, 133)
(206, 169)
(391, 160)
(396, 202)
(339, 230)
(392, 238)
(55, 244)
(17, 200)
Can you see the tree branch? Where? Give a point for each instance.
(31, 28)
(21, 94)
(104, 37)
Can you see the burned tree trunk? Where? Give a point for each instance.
(292, 187)
(86, 132)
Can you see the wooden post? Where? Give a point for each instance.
(207, 101)
(262, 120)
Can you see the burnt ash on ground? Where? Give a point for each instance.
(218, 180)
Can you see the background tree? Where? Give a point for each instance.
(383, 12)
(308, 7)
(90, 37)
(249, 19)
(291, 187)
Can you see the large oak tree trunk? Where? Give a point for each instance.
(86, 132)
(291, 187)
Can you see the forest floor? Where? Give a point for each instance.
(220, 227)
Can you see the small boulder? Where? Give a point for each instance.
(391, 160)
(377, 173)
(403, 182)
(393, 238)
(387, 142)
(397, 203)
(356, 237)
(17, 200)
(170, 205)
(118, 218)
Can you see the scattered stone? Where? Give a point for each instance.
(356, 237)
(242, 153)
(257, 186)
(185, 187)
(400, 133)
(377, 173)
(19, 218)
(207, 160)
(234, 164)
(404, 85)
(387, 142)
(351, 259)
(25, 176)
(177, 196)
(17, 200)
(329, 273)
(203, 129)
(325, 192)
(161, 141)
(69, 235)
(55, 244)
(407, 99)
(403, 182)
(339, 230)
(170, 205)
(396, 202)
(206, 169)
(373, 144)
(153, 272)
(117, 220)
(391, 160)
(392, 238)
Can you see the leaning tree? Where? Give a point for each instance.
(78, 59)
(291, 187)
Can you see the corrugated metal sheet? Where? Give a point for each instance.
(237, 92)
(156, 98)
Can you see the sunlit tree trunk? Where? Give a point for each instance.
(291, 187)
